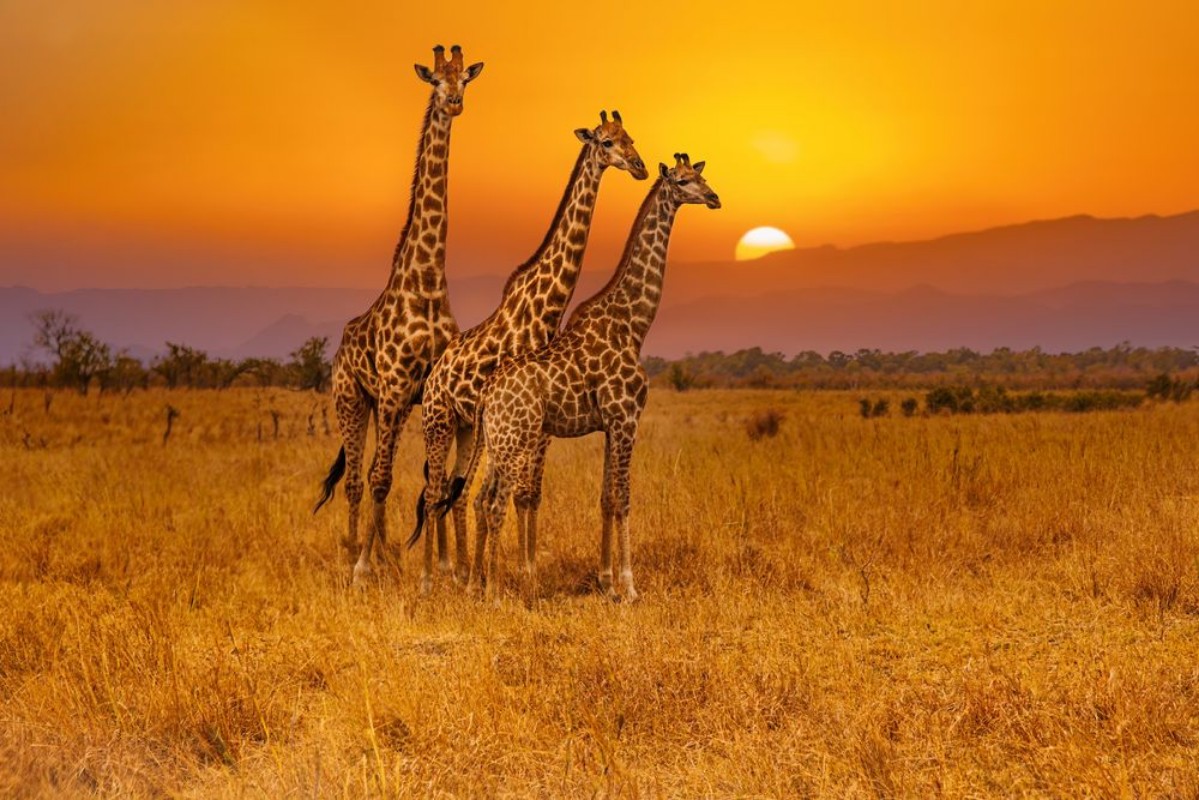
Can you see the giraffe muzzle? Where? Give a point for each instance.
(711, 200)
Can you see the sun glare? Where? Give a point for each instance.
(760, 241)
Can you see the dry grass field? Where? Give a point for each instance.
(947, 606)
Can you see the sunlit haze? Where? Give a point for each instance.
(171, 144)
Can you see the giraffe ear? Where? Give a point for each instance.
(699, 167)
(661, 169)
(584, 135)
(473, 71)
(424, 73)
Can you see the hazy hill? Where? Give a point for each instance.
(1063, 284)
(224, 320)
(1069, 318)
(1014, 259)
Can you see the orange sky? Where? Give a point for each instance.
(247, 142)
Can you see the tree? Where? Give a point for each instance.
(680, 377)
(312, 369)
(221, 373)
(79, 355)
(124, 375)
(266, 371)
(181, 365)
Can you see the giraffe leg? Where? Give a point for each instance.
(443, 547)
(390, 421)
(462, 450)
(619, 457)
(483, 518)
(605, 570)
(497, 506)
(528, 501)
(438, 432)
(353, 412)
(522, 549)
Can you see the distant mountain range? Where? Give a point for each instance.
(1064, 284)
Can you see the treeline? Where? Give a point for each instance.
(961, 399)
(1119, 367)
(76, 359)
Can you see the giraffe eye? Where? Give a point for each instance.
(607, 143)
(683, 182)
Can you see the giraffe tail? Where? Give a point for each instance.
(460, 482)
(336, 473)
(420, 510)
(456, 487)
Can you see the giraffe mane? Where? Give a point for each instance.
(647, 204)
(416, 176)
(553, 226)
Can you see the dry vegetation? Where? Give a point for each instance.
(966, 606)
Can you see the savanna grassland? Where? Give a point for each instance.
(945, 605)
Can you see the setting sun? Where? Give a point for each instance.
(760, 241)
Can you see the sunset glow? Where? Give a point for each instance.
(760, 241)
(179, 144)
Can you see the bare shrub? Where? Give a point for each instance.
(764, 424)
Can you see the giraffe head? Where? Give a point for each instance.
(614, 146)
(686, 184)
(449, 79)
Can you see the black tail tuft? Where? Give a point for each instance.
(336, 472)
(420, 510)
(456, 487)
(420, 516)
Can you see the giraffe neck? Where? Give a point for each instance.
(418, 265)
(635, 290)
(552, 272)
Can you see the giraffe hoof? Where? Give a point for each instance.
(362, 573)
(626, 580)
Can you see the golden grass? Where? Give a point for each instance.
(1004, 605)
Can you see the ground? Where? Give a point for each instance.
(955, 606)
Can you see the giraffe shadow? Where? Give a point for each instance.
(556, 578)
(674, 563)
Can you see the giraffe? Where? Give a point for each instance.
(386, 352)
(534, 299)
(587, 379)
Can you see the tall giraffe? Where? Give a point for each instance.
(587, 379)
(386, 352)
(534, 299)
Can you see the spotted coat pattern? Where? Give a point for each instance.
(386, 353)
(534, 299)
(586, 380)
